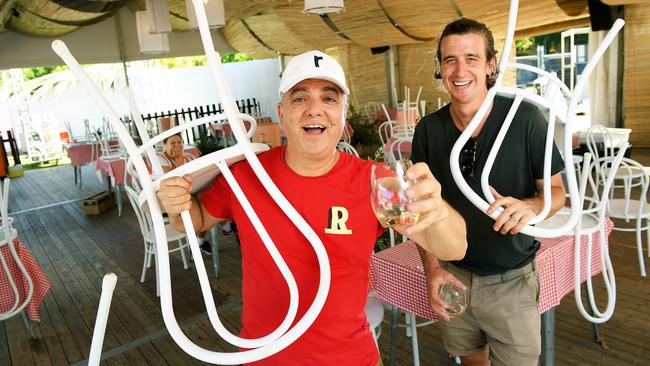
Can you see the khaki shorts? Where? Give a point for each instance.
(502, 313)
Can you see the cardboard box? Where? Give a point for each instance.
(95, 205)
(16, 171)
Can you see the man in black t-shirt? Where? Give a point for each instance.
(501, 324)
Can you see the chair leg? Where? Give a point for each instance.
(29, 326)
(145, 264)
(414, 339)
(407, 322)
(214, 241)
(639, 247)
(182, 250)
(157, 280)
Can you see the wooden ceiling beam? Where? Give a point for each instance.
(552, 28)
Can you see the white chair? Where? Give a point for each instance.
(204, 171)
(400, 149)
(628, 208)
(592, 220)
(371, 109)
(12, 267)
(147, 230)
(602, 143)
(346, 147)
(385, 131)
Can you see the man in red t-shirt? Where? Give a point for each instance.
(331, 190)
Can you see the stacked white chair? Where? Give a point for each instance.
(629, 208)
(9, 259)
(346, 147)
(385, 131)
(204, 170)
(148, 236)
(592, 220)
(545, 103)
(400, 149)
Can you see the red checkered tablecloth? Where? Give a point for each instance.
(397, 275)
(39, 280)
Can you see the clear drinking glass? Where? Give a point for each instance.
(455, 297)
(388, 194)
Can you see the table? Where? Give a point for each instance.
(266, 131)
(39, 280)
(397, 275)
(115, 168)
(81, 154)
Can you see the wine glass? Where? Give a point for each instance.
(388, 194)
(455, 297)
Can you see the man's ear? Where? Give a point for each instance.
(492, 65)
(280, 113)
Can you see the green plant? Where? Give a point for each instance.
(365, 137)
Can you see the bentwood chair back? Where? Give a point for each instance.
(633, 206)
(592, 220)
(204, 170)
(148, 236)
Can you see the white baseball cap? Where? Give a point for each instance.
(312, 65)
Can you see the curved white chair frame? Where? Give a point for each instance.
(546, 103)
(204, 170)
(345, 146)
(592, 220)
(396, 149)
(7, 236)
(633, 209)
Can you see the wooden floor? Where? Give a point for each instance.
(76, 250)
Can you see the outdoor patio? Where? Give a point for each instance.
(75, 251)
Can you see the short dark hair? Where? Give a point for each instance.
(164, 141)
(465, 26)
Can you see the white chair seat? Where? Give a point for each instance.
(577, 159)
(621, 173)
(589, 223)
(617, 209)
(172, 234)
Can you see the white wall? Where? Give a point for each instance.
(168, 89)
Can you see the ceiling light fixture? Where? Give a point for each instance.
(323, 6)
(159, 21)
(213, 9)
(150, 43)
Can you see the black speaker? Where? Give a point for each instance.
(602, 16)
(378, 50)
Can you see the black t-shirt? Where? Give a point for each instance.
(518, 164)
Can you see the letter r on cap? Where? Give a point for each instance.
(316, 59)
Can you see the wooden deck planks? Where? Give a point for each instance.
(76, 250)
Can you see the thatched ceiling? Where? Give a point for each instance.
(265, 28)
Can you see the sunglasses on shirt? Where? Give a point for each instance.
(468, 158)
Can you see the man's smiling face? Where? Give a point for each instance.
(311, 115)
(464, 67)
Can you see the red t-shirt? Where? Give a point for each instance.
(337, 206)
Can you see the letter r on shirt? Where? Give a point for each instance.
(336, 220)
